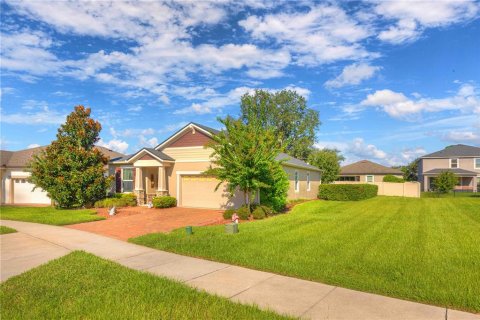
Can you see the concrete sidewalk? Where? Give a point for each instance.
(35, 244)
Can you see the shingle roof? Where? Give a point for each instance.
(159, 154)
(367, 167)
(457, 150)
(457, 171)
(211, 130)
(21, 158)
(295, 162)
(156, 153)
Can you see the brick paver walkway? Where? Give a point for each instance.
(137, 221)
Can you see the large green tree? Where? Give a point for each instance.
(244, 157)
(286, 113)
(70, 169)
(327, 160)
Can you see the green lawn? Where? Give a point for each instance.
(5, 230)
(425, 250)
(452, 194)
(82, 286)
(48, 215)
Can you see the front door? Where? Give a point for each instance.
(151, 180)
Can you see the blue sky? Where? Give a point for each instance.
(391, 80)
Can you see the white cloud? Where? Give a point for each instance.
(135, 109)
(114, 144)
(214, 101)
(33, 145)
(352, 75)
(412, 17)
(143, 141)
(37, 117)
(463, 137)
(323, 34)
(398, 105)
(357, 149)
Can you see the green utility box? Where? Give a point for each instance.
(189, 230)
(231, 228)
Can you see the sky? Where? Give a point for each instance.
(392, 80)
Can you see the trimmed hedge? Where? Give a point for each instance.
(118, 200)
(391, 178)
(347, 192)
(164, 202)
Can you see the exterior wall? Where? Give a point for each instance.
(302, 193)
(22, 189)
(444, 163)
(405, 189)
(190, 139)
(189, 154)
(363, 177)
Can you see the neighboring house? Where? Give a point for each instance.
(174, 168)
(462, 160)
(14, 185)
(366, 171)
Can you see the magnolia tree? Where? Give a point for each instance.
(70, 169)
(244, 157)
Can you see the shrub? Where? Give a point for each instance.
(243, 213)
(275, 195)
(118, 200)
(347, 192)
(227, 214)
(262, 212)
(445, 182)
(391, 178)
(164, 202)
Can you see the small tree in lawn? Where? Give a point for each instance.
(327, 160)
(243, 157)
(445, 182)
(70, 169)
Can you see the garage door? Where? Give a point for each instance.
(23, 193)
(199, 192)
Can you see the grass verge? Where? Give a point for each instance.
(83, 286)
(5, 230)
(48, 215)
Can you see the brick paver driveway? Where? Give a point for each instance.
(136, 221)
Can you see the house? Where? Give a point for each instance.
(175, 168)
(462, 160)
(366, 171)
(14, 185)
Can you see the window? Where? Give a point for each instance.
(369, 178)
(297, 184)
(348, 178)
(477, 163)
(453, 163)
(308, 181)
(127, 179)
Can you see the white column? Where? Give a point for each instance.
(138, 179)
(162, 179)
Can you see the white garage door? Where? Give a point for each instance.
(199, 192)
(23, 193)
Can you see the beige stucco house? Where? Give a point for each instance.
(175, 168)
(462, 160)
(14, 185)
(367, 172)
